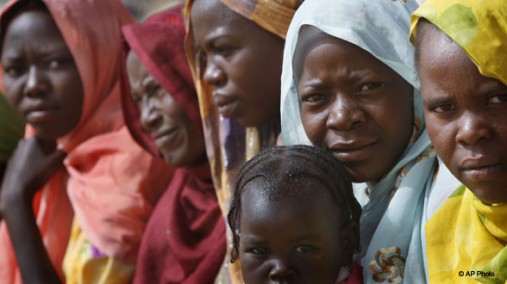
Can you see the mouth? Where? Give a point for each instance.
(164, 137)
(350, 152)
(476, 170)
(39, 114)
(227, 104)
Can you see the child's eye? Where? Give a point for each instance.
(370, 86)
(54, 64)
(260, 251)
(304, 249)
(498, 99)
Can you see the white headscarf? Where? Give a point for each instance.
(392, 238)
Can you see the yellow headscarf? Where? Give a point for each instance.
(466, 239)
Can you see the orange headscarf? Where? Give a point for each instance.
(111, 182)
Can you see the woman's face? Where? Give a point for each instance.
(300, 238)
(240, 60)
(466, 116)
(354, 105)
(176, 136)
(41, 79)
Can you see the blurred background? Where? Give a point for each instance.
(139, 8)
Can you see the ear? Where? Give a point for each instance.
(349, 237)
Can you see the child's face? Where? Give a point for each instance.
(176, 136)
(353, 104)
(293, 239)
(41, 79)
(240, 60)
(466, 116)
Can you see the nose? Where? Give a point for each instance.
(213, 74)
(151, 120)
(344, 114)
(35, 85)
(472, 129)
(280, 270)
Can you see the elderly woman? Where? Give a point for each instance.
(162, 113)
(349, 85)
(235, 52)
(78, 190)
(463, 69)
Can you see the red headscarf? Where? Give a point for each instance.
(184, 241)
(111, 182)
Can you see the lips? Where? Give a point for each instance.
(39, 113)
(164, 137)
(480, 169)
(353, 151)
(227, 104)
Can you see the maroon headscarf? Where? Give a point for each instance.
(184, 241)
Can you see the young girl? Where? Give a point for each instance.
(295, 219)
(462, 64)
(349, 85)
(77, 186)
(184, 241)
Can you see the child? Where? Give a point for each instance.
(462, 63)
(294, 218)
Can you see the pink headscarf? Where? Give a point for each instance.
(111, 182)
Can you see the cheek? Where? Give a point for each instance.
(314, 124)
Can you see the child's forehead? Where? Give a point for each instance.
(290, 190)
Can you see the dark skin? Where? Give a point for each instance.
(240, 60)
(42, 83)
(352, 104)
(466, 115)
(300, 238)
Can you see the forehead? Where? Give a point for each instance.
(317, 47)
(35, 27)
(212, 13)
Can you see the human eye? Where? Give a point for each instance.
(498, 99)
(59, 63)
(370, 86)
(259, 251)
(304, 248)
(313, 98)
(443, 108)
(14, 70)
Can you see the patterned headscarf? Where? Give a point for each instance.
(229, 144)
(466, 235)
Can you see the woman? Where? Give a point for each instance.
(162, 114)
(77, 165)
(235, 53)
(349, 85)
(463, 72)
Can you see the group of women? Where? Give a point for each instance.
(136, 132)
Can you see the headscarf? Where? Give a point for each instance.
(466, 235)
(228, 143)
(390, 225)
(110, 181)
(194, 251)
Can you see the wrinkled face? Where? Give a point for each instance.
(354, 105)
(293, 239)
(176, 136)
(41, 79)
(466, 116)
(240, 60)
